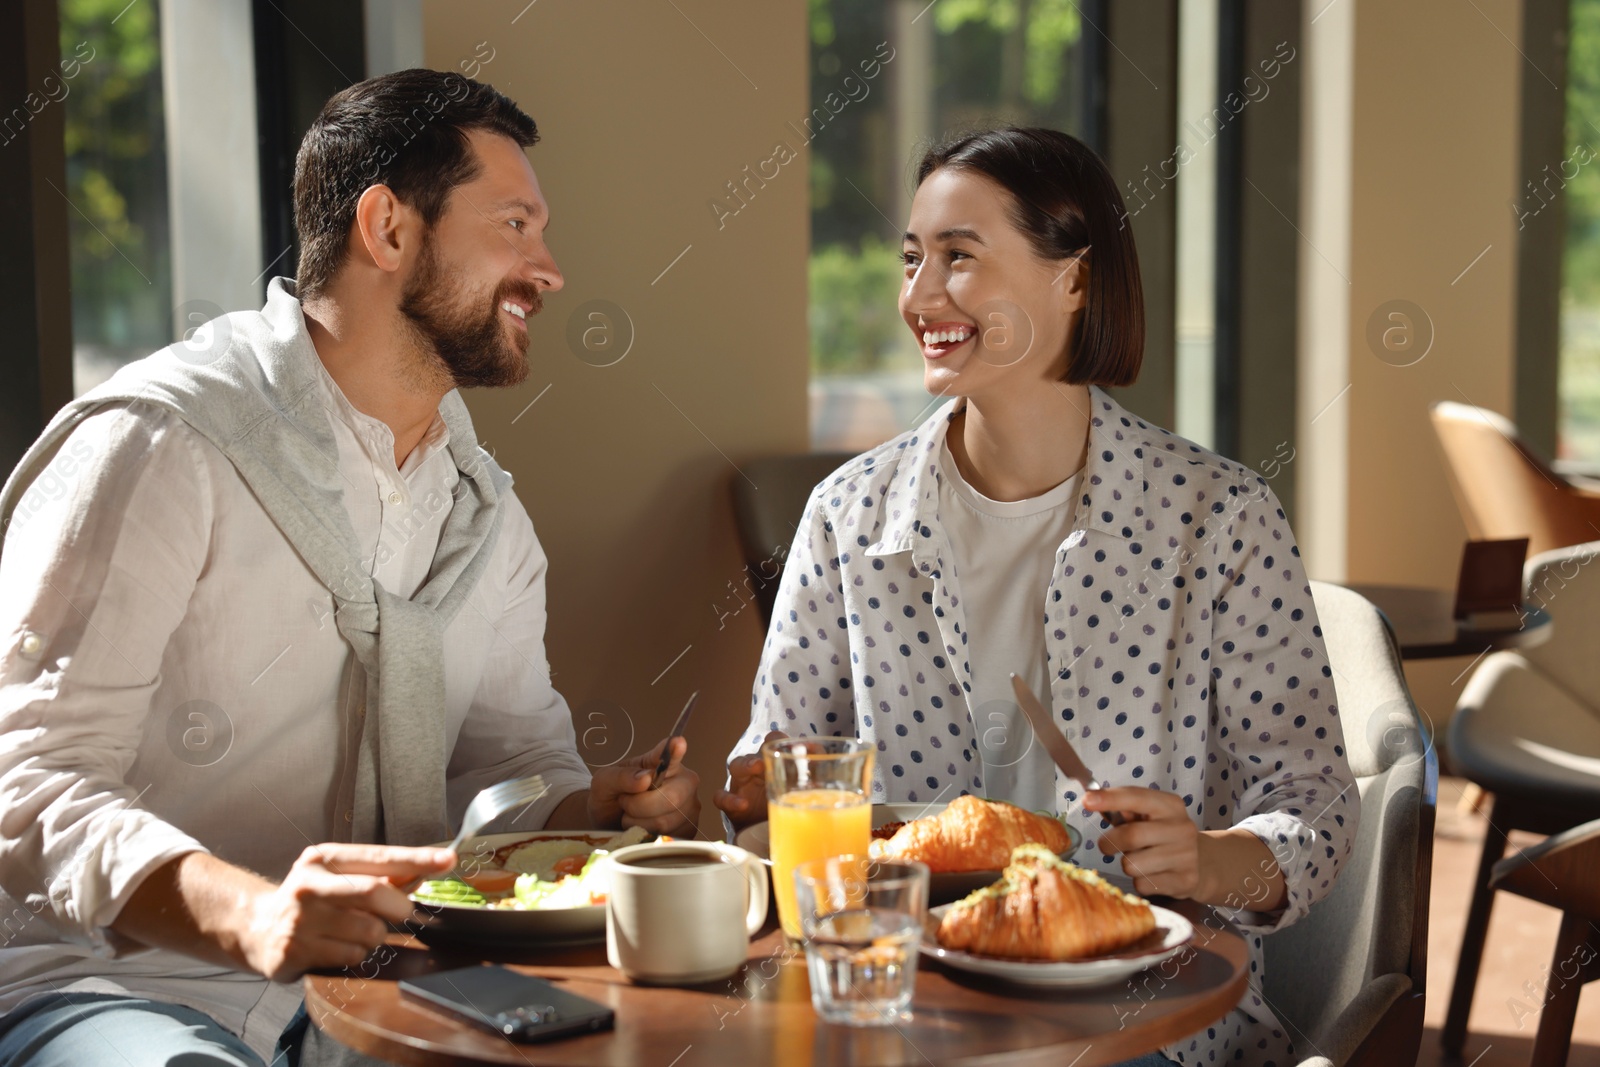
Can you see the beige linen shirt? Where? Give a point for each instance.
(172, 679)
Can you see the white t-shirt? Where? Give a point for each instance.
(1005, 553)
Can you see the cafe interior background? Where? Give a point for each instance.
(1346, 211)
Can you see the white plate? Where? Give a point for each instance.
(504, 926)
(1171, 934)
(942, 888)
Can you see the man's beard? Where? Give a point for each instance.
(470, 346)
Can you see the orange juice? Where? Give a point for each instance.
(813, 824)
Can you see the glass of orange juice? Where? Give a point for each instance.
(817, 808)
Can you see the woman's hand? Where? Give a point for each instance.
(1160, 846)
(1167, 854)
(745, 799)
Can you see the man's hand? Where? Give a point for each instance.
(331, 909)
(745, 799)
(328, 912)
(1167, 854)
(622, 794)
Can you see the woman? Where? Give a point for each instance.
(1148, 589)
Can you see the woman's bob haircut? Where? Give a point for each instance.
(1064, 200)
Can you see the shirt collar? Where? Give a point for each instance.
(1113, 490)
(374, 434)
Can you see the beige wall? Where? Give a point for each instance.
(1412, 147)
(1409, 167)
(625, 469)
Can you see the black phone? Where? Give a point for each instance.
(510, 1004)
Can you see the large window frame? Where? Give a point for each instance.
(1129, 96)
(1128, 92)
(35, 280)
(1541, 233)
(35, 276)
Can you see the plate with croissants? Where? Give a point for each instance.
(1048, 922)
(964, 843)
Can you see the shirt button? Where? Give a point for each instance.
(395, 498)
(32, 645)
(349, 816)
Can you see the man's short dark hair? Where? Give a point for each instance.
(406, 130)
(1065, 201)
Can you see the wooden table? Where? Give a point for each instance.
(764, 1014)
(1425, 626)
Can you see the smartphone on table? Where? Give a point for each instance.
(513, 1005)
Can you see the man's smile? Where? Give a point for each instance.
(516, 310)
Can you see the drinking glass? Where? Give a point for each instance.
(817, 807)
(862, 919)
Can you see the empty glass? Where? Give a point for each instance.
(861, 920)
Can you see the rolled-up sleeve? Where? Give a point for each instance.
(100, 558)
(518, 724)
(1279, 765)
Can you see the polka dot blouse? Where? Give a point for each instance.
(1181, 639)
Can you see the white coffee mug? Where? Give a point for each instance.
(683, 911)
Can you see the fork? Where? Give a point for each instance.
(495, 801)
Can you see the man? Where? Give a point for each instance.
(269, 617)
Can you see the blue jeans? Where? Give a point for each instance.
(1149, 1059)
(73, 1029)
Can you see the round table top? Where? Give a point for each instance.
(764, 1014)
(1426, 628)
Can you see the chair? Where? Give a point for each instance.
(1560, 871)
(1504, 489)
(768, 501)
(1349, 978)
(1527, 729)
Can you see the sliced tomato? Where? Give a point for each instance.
(491, 880)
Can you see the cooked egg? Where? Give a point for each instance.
(541, 857)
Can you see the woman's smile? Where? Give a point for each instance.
(939, 339)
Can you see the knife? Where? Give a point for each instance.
(677, 731)
(1060, 750)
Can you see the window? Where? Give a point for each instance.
(1579, 181)
(888, 78)
(117, 185)
(166, 168)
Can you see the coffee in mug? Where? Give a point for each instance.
(675, 859)
(683, 912)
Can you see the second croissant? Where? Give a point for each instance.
(971, 834)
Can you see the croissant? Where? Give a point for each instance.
(971, 834)
(1045, 909)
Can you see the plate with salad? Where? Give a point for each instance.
(524, 888)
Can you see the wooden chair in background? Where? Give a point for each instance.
(1504, 489)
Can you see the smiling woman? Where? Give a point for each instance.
(1150, 588)
(983, 203)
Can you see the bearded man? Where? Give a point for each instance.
(270, 617)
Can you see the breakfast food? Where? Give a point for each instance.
(540, 874)
(544, 857)
(971, 834)
(1045, 908)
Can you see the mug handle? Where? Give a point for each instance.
(756, 888)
